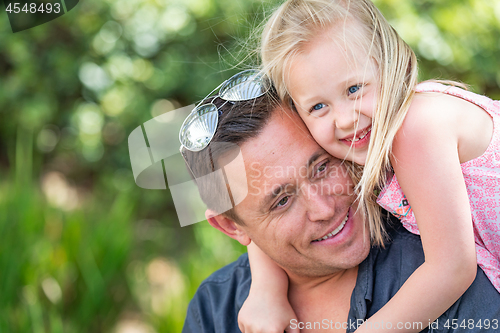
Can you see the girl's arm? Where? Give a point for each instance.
(426, 162)
(267, 308)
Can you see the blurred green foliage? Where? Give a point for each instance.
(82, 248)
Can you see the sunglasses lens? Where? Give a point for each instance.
(244, 86)
(199, 127)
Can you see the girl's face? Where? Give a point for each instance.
(334, 90)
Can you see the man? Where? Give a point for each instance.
(300, 209)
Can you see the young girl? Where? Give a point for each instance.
(353, 81)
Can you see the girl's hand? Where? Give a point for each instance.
(266, 308)
(266, 313)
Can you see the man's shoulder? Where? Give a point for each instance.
(216, 303)
(238, 270)
(398, 235)
(401, 247)
(387, 268)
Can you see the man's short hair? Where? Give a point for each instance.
(238, 122)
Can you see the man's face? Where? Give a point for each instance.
(298, 195)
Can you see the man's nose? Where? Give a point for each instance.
(320, 204)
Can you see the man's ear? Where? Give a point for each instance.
(227, 226)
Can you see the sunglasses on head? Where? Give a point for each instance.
(199, 127)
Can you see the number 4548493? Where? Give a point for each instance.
(471, 323)
(32, 8)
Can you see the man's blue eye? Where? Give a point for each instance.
(318, 106)
(353, 89)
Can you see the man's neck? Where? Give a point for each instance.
(322, 300)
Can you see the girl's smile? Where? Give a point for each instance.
(359, 139)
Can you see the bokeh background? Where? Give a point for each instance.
(82, 248)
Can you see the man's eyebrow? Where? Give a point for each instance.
(277, 190)
(315, 156)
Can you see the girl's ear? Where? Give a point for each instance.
(227, 226)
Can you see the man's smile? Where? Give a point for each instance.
(335, 231)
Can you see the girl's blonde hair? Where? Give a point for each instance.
(297, 22)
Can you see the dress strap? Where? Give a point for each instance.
(482, 101)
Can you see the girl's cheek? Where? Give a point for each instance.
(360, 159)
(303, 117)
(310, 124)
(318, 135)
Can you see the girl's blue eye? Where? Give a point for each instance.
(318, 106)
(353, 89)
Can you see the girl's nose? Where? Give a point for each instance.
(347, 120)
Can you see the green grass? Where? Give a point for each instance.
(106, 263)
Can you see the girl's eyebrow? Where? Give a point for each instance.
(309, 100)
(353, 78)
(343, 84)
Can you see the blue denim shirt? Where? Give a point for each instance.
(216, 304)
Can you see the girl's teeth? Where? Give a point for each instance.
(359, 138)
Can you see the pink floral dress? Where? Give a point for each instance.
(482, 178)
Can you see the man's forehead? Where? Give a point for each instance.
(279, 157)
(277, 168)
(283, 145)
